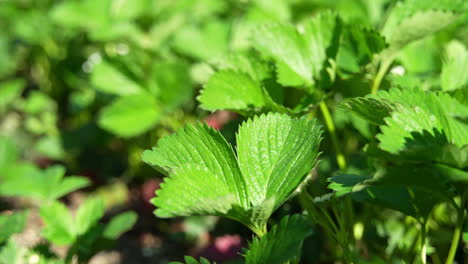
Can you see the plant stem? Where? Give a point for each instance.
(458, 230)
(423, 240)
(340, 159)
(380, 75)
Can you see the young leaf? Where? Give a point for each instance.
(206, 178)
(282, 243)
(120, 224)
(59, 227)
(131, 115)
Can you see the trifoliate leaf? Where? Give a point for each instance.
(48, 184)
(282, 243)
(108, 79)
(302, 54)
(130, 115)
(454, 69)
(232, 90)
(411, 20)
(206, 178)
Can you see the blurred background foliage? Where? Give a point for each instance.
(89, 84)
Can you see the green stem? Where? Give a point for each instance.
(340, 159)
(380, 75)
(458, 230)
(423, 240)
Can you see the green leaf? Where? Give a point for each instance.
(12, 254)
(205, 42)
(248, 63)
(131, 115)
(411, 20)
(370, 108)
(9, 154)
(232, 90)
(199, 150)
(282, 243)
(173, 83)
(276, 157)
(48, 184)
(413, 118)
(357, 48)
(11, 224)
(300, 54)
(88, 214)
(454, 68)
(9, 91)
(108, 79)
(59, 228)
(413, 190)
(275, 154)
(120, 224)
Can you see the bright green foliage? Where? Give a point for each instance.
(454, 70)
(206, 42)
(9, 91)
(282, 243)
(130, 115)
(59, 226)
(228, 89)
(357, 48)
(411, 20)
(300, 55)
(11, 224)
(63, 229)
(413, 118)
(107, 78)
(26, 180)
(205, 177)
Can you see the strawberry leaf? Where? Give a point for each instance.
(205, 177)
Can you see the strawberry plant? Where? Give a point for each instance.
(294, 76)
(276, 131)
